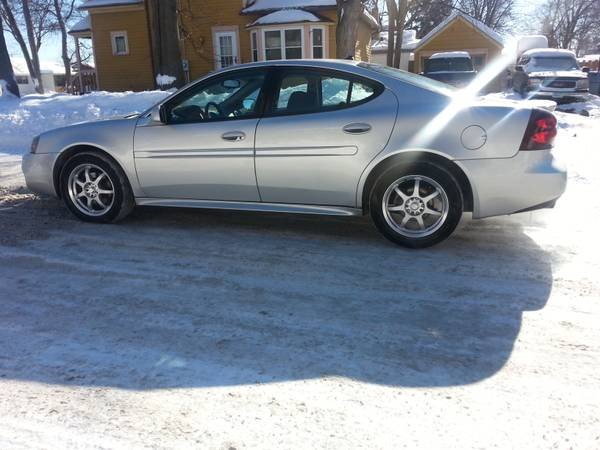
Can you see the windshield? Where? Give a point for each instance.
(448, 65)
(554, 63)
(414, 79)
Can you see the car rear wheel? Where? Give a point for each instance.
(95, 189)
(416, 205)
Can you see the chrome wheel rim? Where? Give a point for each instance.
(91, 190)
(415, 206)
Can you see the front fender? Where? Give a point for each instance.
(113, 137)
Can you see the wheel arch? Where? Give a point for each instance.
(417, 157)
(68, 153)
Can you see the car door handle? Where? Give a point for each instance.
(234, 136)
(357, 128)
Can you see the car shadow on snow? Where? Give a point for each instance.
(173, 298)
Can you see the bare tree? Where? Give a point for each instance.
(571, 24)
(496, 14)
(349, 13)
(63, 11)
(7, 76)
(397, 11)
(424, 15)
(372, 6)
(29, 22)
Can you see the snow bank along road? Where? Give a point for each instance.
(199, 329)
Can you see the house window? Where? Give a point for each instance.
(226, 49)
(283, 44)
(254, 45)
(21, 79)
(120, 45)
(293, 44)
(273, 45)
(317, 43)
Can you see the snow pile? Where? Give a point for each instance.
(165, 80)
(444, 55)
(590, 108)
(286, 16)
(267, 5)
(22, 119)
(102, 3)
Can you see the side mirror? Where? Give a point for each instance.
(519, 68)
(585, 69)
(157, 114)
(231, 84)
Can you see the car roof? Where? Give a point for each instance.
(341, 64)
(548, 52)
(441, 55)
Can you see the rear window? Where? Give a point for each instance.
(448, 65)
(412, 78)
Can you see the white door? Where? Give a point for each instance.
(226, 49)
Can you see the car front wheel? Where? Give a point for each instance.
(95, 189)
(417, 205)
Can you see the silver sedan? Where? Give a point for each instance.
(314, 137)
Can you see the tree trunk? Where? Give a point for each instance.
(6, 71)
(35, 59)
(400, 20)
(349, 13)
(392, 19)
(64, 44)
(16, 32)
(166, 54)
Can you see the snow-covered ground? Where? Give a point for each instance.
(200, 329)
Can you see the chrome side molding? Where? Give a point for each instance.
(250, 206)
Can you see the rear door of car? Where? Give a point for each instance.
(320, 130)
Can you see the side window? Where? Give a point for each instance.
(293, 94)
(233, 96)
(305, 91)
(334, 91)
(360, 91)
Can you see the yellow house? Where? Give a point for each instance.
(460, 32)
(213, 34)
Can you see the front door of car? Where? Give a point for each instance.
(203, 148)
(319, 132)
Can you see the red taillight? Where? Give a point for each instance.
(540, 132)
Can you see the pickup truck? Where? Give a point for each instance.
(455, 68)
(550, 73)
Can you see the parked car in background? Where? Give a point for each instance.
(309, 136)
(550, 73)
(454, 68)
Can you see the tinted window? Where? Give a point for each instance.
(303, 91)
(227, 97)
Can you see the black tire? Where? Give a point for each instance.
(122, 201)
(441, 227)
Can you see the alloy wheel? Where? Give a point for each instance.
(91, 190)
(415, 206)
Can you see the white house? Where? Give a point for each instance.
(53, 75)
(379, 47)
